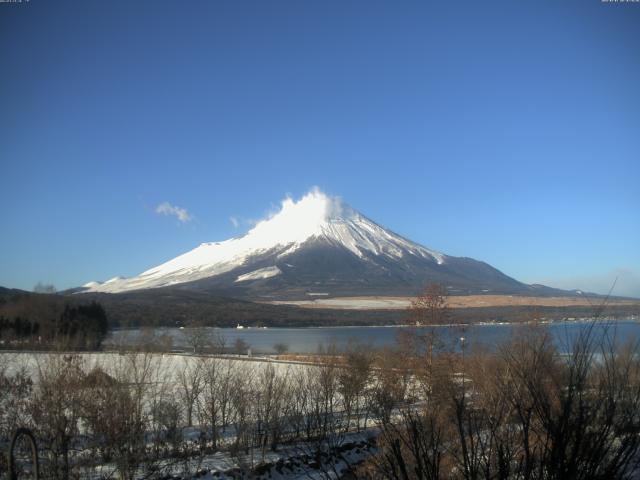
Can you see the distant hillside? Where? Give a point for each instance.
(176, 307)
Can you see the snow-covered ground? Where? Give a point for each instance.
(290, 461)
(355, 303)
(170, 364)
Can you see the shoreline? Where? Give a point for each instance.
(395, 325)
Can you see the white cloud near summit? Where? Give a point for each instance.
(165, 208)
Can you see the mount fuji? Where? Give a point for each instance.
(318, 246)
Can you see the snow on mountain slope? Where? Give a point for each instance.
(259, 274)
(316, 216)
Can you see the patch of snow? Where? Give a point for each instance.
(114, 279)
(348, 303)
(259, 274)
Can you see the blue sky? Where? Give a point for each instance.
(504, 131)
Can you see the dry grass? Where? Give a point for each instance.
(463, 301)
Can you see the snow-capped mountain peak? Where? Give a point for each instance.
(297, 221)
(315, 217)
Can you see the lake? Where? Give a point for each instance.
(308, 340)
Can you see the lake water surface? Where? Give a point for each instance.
(308, 340)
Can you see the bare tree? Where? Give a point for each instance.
(353, 380)
(190, 379)
(390, 384)
(270, 405)
(430, 306)
(56, 410)
(217, 395)
(202, 339)
(428, 310)
(16, 389)
(281, 348)
(242, 399)
(241, 347)
(114, 422)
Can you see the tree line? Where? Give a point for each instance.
(38, 321)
